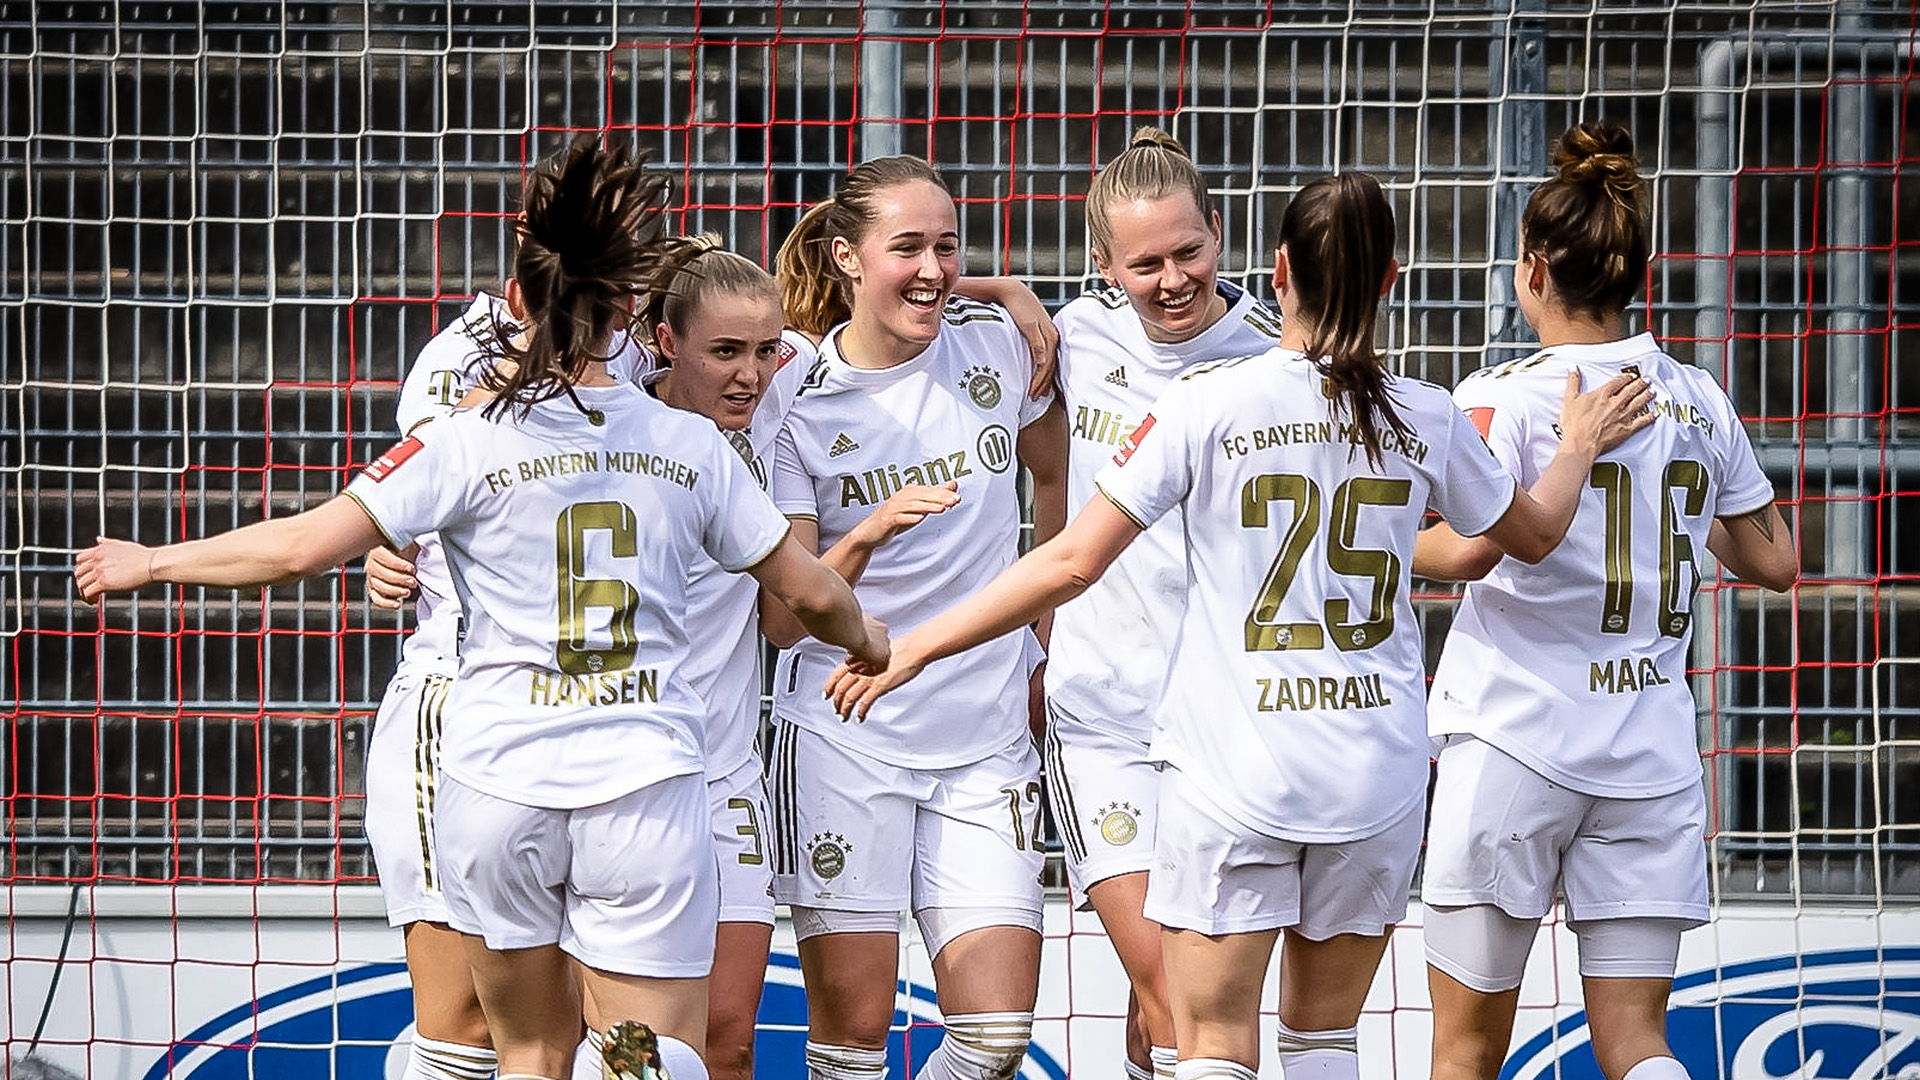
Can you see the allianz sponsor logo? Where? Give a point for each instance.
(1852, 1014)
(358, 1022)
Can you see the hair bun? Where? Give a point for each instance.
(1599, 154)
(1153, 136)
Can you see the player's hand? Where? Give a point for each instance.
(908, 507)
(1602, 419)
(853, 693)
(390, 580)
(112, 566)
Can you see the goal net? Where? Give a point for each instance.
(227, 229)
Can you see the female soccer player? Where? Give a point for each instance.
(573, 820)
(450, 1032)
(716, 325)
(899, 461)
(1155, 237)
(1294, 727)
(1562, 693)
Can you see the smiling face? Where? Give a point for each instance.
(724, 356)
(904, 267)
(1165, 255)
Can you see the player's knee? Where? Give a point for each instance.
(980, 1046)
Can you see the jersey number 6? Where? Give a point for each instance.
(578, 592)
(1264, 633)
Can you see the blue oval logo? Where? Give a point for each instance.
(1851, 1014)
(346, 1024)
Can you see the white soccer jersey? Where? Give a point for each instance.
(1297, 690)
(723, 608)
(570, 543)
(854, 437)
(447, 367)
(1107, 659)
(1577, 666)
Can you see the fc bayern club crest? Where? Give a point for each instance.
(982, 384)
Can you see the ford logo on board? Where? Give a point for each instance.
(1847, 1015)
(358, 1022)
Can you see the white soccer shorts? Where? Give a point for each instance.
(402, 763)
(738, 802)
(1103, 789)
(1505, 835)
(852, 833)
(1214, 875)
(628, 886)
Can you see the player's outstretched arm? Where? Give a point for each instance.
(1590, 425)
(1042, 579)
(1757, 547)
(821, 602)
(265, 553)
(1029, 316)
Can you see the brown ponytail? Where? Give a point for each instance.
(1589, 222)
(810, 296)
(815, 295)
(1153, 166)
(590, 225)
(690, 270)
(1339, 237)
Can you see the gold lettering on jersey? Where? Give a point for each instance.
(541, 468)
(1352, 692)
(1623, 676)
(633, 686)
(1684, 413)
(1301, 433)
(1102, 426)
(875, 485)
(645, 464)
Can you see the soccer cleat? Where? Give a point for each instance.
(631, 1051)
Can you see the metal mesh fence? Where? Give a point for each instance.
(227, 229)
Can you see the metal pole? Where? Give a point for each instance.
(1849, 214)
(882, 79)
(1523, 160)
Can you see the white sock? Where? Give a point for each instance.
(432, 1059)
(980, 1046)
(828, 1062)
(1212, 1069)
(1137, 1071)
(1164, 1059)
(1319, 1055)
(1657, 1068)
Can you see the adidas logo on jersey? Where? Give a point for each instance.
(842, 445)
(1118, 376)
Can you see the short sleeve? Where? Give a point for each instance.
(791, 485)
(1475, 489)
(1744, 487)
(742, 526)
(1153, 471)
(415, 487)
(1031, 408)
